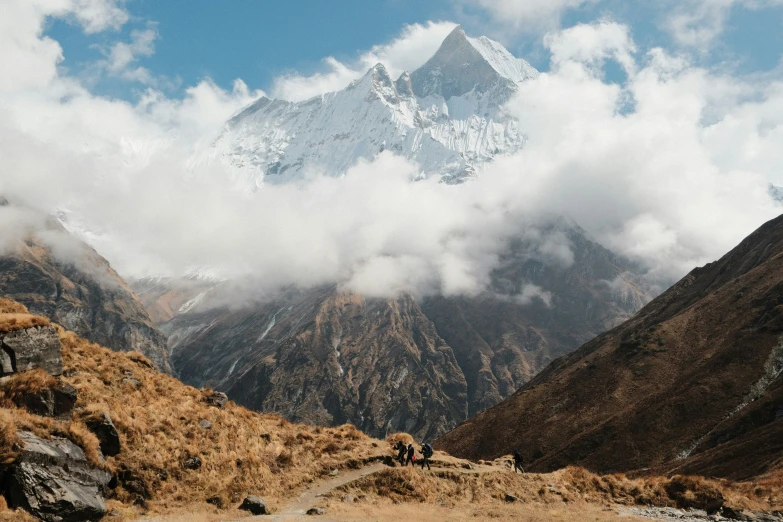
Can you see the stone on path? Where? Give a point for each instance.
(255, 505)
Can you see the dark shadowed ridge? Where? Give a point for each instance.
(692, 383)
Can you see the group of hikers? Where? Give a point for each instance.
(406, 454)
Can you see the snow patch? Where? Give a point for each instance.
(268, 327)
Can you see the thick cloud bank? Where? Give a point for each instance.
(670, 169)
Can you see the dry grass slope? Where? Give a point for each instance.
(158, 419)
(14, 316)
(488, 486)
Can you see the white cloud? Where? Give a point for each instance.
(672, 181)
(121, 57)
(96, 15)
(416, 43)
(592, 44)
(531, 16)
(696, 23)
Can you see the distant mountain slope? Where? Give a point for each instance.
(691, 383)
(324, 356)
(82, 293)
(446, 116)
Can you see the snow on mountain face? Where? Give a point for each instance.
(446, 116)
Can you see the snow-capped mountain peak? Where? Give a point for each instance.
(464, 64)
(446, 115)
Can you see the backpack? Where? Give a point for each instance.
(427, 450)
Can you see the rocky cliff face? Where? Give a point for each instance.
(324, 357)
(421, 366)
(692, 383)
(537, 310)
(64, 279)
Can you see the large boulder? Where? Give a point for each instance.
(53, 401)
(52, 480)
(216, 399)
(104, 429)
(31, 348)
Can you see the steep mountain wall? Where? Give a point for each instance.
(692, 383)
(422, 366)
(78, 289)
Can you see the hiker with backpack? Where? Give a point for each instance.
(411, 452)
(518, 461)
(426, 451)
(401, 450)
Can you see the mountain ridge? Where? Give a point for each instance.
(683, 386)
(441, 116)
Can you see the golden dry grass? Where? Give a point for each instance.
(15, 316)
(487, 486)
(8, 306)
(158, 419)
(18, 321)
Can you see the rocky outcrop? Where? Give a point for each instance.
(30, 348)
(103, 428)
(53, 480)
(691, 384)
(216, 399)
(57, 400)
(75, 287)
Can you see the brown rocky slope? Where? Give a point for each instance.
(55, 275)
(690, 384)
(399, 364)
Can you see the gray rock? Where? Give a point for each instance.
(511, 498)
(32, 348)
(217, 399)
(104, 429)
(6, 365)
(57, 401)
(316, 511)
(52, 480)
(133, 382)
(348, 499)
(192, 463)
(205, 424)
(255, 505)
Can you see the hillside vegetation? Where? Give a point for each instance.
(160, 423)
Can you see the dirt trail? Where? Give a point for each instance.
(296, 508)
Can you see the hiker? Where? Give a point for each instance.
(401, 450)
(426, 451)
(411, 451)
(518, 461)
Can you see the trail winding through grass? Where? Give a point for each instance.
(296, 508)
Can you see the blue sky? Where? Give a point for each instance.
(259, 41)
